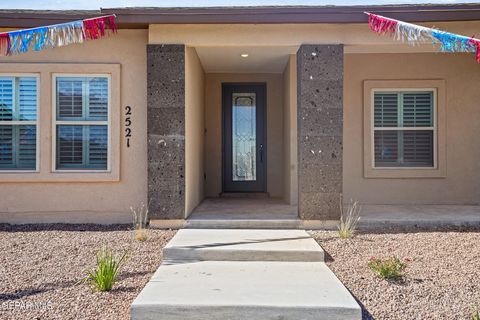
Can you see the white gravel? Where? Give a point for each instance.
(40, 266)
(442, 280)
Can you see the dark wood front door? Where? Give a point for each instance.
(244, 137)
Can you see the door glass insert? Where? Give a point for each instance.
(244, 137)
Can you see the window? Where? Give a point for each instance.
(82, 107)
(18, 122)
(404, 128)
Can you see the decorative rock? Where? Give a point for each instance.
(166, 131)
(320, 126)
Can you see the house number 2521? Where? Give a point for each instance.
(128, 123)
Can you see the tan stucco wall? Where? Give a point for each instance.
(462, 76)
(77, 200)
(290, 131)
(213, 125)
(356, 37)
(194, 129)
(108, 201)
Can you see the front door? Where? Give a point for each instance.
(244, 132)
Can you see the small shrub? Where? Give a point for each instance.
(348, 219)
(388, 269)
(476, 315)
(105, 274)
(140, 219)
(141, 235)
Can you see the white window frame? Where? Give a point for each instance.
(30, 122)
(373, 128)
(56, 122)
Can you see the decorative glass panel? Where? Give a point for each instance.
(244, 137)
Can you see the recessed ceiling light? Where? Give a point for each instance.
(244, 55)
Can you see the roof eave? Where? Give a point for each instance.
(142, 17)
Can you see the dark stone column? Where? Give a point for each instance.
(320, 125)
(166, 131)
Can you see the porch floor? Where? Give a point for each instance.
(235, 213)
(244, 213)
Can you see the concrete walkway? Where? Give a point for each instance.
(244, 274)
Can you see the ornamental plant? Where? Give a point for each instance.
(140, 220)
(476, 315)
(103, 277)
(348, 219)
(391, 268)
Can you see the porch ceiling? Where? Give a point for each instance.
(267, 59)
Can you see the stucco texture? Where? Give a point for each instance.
(461, 185)
(194, 130)
(78, 200)
(290, 174)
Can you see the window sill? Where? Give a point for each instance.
(62, 177)
(405, 173)
(17, 171)
(87, 171)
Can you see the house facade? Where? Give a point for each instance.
(293, 103)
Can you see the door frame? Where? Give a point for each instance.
(224, 101)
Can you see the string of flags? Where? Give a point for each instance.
(40, 38)
(58, 35)
(415, 34)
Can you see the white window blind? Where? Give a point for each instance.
(404, 129)
(82, 123)
(18, 122)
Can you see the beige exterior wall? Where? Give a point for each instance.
(81, 198)
(461, 184)
(194, 130)
(213, 125)
(368, 57)
(356, 37)
(290, 131)
(74, 197)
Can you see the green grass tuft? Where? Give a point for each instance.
(388, 269)
(476, 315)
(103, 277)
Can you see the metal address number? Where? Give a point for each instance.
(128, 123)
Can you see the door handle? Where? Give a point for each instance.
(261, 153)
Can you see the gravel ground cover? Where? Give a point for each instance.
(40, 266)
(442, 280)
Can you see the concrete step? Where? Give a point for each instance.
(219, 290)
(245, 195)
(243, 245)
(199, 223)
